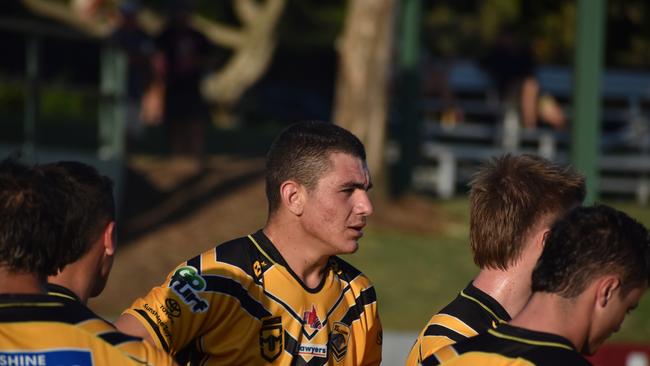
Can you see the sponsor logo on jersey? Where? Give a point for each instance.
(162, 325)
(311, 318)
(44, 358)
(339, 337)
(171, 308)
(186, 282)
(271, 338)
(258, 267)
(312, 350)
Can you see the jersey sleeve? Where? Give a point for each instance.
(374, 340)
(363, 318)
(178, 311)
(441, 330)
(134, 347)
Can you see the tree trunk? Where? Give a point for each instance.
(363, 78)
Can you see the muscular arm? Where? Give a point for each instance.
(128, 324)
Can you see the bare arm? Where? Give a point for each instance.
(128, 324)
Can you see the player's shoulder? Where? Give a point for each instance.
(232, 258)
(348, 272)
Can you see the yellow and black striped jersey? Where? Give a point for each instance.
(472, 312)
(241, 304)
(134, 347)
(40, 329)
(510, 346)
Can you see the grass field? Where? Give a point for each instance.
(416, 274)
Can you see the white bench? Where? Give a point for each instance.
(451, 153)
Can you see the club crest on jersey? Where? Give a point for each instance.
(311, 318)
(271, 338)
(186, 283)
(339, 338)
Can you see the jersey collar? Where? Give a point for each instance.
(270, 251)
(486, 301)
(532, 337)
(60, 291)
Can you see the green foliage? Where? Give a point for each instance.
(67, 104)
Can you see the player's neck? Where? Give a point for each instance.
(551, 313)
(20, 282)
(308, 265)
(509, 288)
(76, 278)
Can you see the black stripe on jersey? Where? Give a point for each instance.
(344, 269)
(191, 354)
(366, 297)
(292, 346)
(117, 338)
(242, 253)
(430, 361)
(196, 263)
(233, 288)
(439, 330)
(154, 326)
(336, 304)
(301, 320)
(285, 306)
(49, 309)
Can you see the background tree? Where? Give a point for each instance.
(251, 44)
(361, 101)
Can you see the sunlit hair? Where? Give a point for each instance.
(590, 242)
(302, 153)
(511, 195)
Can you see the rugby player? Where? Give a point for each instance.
(514, 200)
(35, 328)
(594, 269)
(89, 240)
(279, 295)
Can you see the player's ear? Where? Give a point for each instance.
(109, 240)
(607, 288)
(293, 196)
(547, 232)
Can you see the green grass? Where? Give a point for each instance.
(417, 274)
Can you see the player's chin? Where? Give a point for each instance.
(349, 246)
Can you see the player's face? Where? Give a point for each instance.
(612, 317)
(335, 210)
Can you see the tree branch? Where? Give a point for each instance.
(65, 15)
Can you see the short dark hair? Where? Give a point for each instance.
(89, 204)
(31, 225)
(511, 194)
(302, 152)
(590, 242)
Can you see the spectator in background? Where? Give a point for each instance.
(139, 48)
(511, 65)
(180, 60)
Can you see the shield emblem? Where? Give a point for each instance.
(271, 338)
(339, 338)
